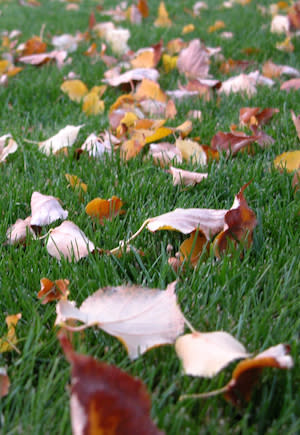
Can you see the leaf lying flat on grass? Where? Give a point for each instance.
(106, 400)
(289, 160)
(104, 209)
(140, 318)
(64, 138)
(187, 178)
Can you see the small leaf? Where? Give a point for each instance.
(162, 19)
(18, 232)
(8, 342)
(75, 89)
(186, 178)
(104, 208)
(4, 382)
(7, 146)
(52, 291)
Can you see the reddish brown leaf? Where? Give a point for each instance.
(52, 291)
(256, 116)
(296, 121)
(34, 46)
(193, 61)
(231, 142)
(4, 382)
(105, 399)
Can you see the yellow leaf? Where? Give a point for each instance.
(188, 29)
(289, 160)
(185, 128)
(150, 89)
(8, 342)
(92, 105)
(163, 19)
(75, 182)
(217, 26)
(4, 65)
(169, 62)
(191, 150)
(75, 89)
(158, 134)
(191, 249)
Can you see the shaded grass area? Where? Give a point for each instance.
(256, 298)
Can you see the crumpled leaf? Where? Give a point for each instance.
(232, 142)
(92, 105)
(96, 146)
(4, 382)
(9, 341)
(240, 222)
(187, 178)
(193, 61)
(53, 291)
(105, 399)
(205, 354)
(75, 89)
(64, 138)
(191, 150)
(68, 241)
(18, 232)
(163, 19)
(105, 209)
(65, 42)
(256, 115)
(137, 74)
(289, 160)
(247, 372)
(45, 209)
(140, 318)
(7, 146)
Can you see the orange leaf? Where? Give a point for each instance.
(34, 46)
(143, 8)
(150, 89)
(52, 291)
(104, 208)
(163, 19)
(192, 248)
(105, 399)
(216, 26)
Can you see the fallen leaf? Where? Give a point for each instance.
(4, 382)
(68, 241)
(247, 372)
(193, 61)
(271, 70)
(64, 138)
(75, 89)
(92, 105)
(143, 8)
(256, 115)
(19, 231)
(245, 83)
(150, 89)
(104, 209)
(137, 74)
(34, 46)
(9, 341)
(76, 183)
(7, 146)
(96, 146)
(192, 248)
(39, 59)
(289, 160)
(296, 121)
(231, 142)
(290, 84)
(45, 209)
(53, 291)
(164, 153)
(140, 318)
(162, 19)
(65, 42)
(186, 178)
(280, 24)
(169, 62)
(205, 354)
(286, 45)
(105, 399)
(218, 25)
(191, 150)
(188, 28)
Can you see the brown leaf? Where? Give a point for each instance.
(105, 209)
(247, 372)
(52, 291)
(45, 209)
(4, 382)
(68, 241)
(39, 59)
(105, 399)
(8, 342)
(193, 61)
(256, 116)
(140, 318)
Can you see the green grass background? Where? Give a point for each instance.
(255, 299)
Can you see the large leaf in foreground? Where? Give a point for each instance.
(45, 209)
(140, 317)
(106, 400)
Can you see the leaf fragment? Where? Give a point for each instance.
(162, 19)
(18, 232)
(7, 146)
(4, 382)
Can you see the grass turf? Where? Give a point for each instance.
(255, 299)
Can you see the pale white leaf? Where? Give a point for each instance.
(137, 74)
(193, 61)
(64, 138)
(65, 42)
(96, 146)
(37, 59)
(7, 146)
(187, 178)
(141, 318)
(45, 209)
(68, 241)
(205, 354)
(280, 24)
(279, 354)
(17, 232)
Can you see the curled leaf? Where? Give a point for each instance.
(18, 232)
(45, 209)
(186, 178)
(52, 291)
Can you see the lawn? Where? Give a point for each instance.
(254, 296)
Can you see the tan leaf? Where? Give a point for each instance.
(296, 121)
(193, 61)
(18, 232)
(205, 354)
(191, 150)
(187, 178)
(187, 220)
(92, 105)
(162, 19)
(9, 341)
(140, 317)
(64, 138)
(4, 382)
(45, 209)
(289, 160)
(53, 291)
(75, 89)
(39, 59)
(271, 70)
(290, 84)
(164, 153)
(245, 83)
(7, 146)
(68, 241)
(137, 74)
(144, 58)
(150, 89)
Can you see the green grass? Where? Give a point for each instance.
(255, 299)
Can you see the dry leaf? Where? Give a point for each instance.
(18, 232)
(39, 59)
(192, 248)
(9, 341)
(247, 372)
(45, 209)
(34, 46)
(4, 382)
(75, 89)
(232, 142)
(162, 19)
(245, 83)
(205, 354)
(92, 105)
(65, 42)
(150, 89)
(68, 241)
(164, 153)
(218, 25)
(191, 150)
(76, 183)
(193, 61)
(106, 400)
(143, 8)
(289, 160)
(296, 121)
(280, 24)
(64, 138)
(96, 146)
(188, 28)
(286, 45)
(53, 291)
(140, 318)
(256, 115)
(271, 70)
(105, 209)
(7, 146)
(187, 178)
(290, 84)
(137, 74)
